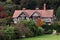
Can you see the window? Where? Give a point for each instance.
(35, 16)
(22, 16)
(47, 19)
(15, 20)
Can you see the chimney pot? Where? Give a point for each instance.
(44, 6)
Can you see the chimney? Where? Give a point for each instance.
(37, 8)
(23, 8)
(44, 6)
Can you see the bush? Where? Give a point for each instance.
(40, 31)
(57, 28)
(22, 31)
(5, 21)
(31, 25)
(9, 32)
(48, 29)
(1, 34)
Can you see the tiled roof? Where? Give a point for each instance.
(17, 13)
(43, 13)
(47, 13)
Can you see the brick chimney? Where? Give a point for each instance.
(44, 6)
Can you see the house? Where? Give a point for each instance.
(44, 14)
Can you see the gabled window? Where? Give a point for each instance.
(22, 16)
(35, 15)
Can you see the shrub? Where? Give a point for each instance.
(48, 29)
(57, 28)
(1, 8)
(9, 20)
(3, 14)
(31, 25)
(5, 21)
(39, 22)
(40, 31)
(22, 31)
(1, 34)
(9, 32)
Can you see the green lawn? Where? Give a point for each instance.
(45, 37)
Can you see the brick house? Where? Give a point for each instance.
(44, 14)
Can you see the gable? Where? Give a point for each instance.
(16, 13)
(35, 14)
(22, 14)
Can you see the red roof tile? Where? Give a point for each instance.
(17, 13)
(43, 13)
(46, 13)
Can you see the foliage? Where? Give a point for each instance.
(39, 22)
(22, 31)
(2, 0)
(32, 4)
(5, 21)
(58, 13)
(9, 1)
(1, 8)
(16, 1)
(31, 25)
(3, 14)
(48, 29)
(9, 32)
(29, 4)
(9, 20)
(57, 28)
(40, 31)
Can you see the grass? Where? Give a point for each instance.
(45, 37)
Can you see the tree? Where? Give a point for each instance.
(58, 13)
(9, 1)
(1, 8)
(31, 5)
(3, 14)
(2, 0)
(39, 22)
(16, 1)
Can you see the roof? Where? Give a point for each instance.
(47, 13)
(17, 13)
(43, 13)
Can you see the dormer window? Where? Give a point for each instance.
(22, 16)
(35, 15)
